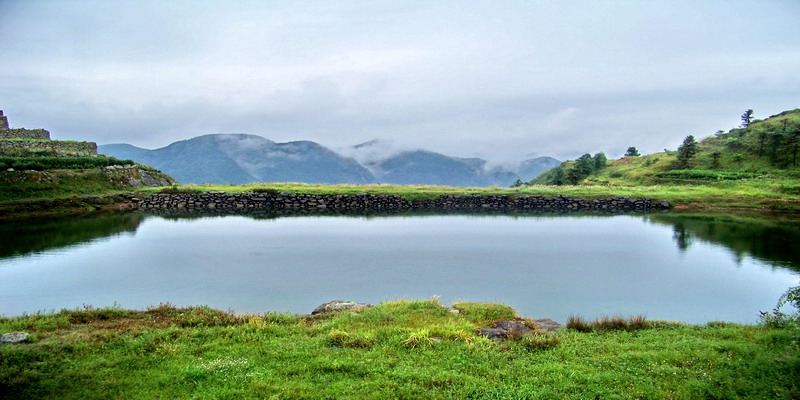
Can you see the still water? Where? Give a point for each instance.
(690, 268)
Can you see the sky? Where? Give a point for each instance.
(502, 80)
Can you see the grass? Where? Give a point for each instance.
(404, 349)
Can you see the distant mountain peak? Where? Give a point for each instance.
(238, 158)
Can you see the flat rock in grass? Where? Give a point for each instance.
(339, 305)
(547, 325)
(505, 329)
(513, 328)
(14, 337)
(494, 333)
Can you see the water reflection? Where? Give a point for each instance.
(41, 234)
(768, 238)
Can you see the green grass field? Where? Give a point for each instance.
(396, 350)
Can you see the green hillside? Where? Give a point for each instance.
(763, 154)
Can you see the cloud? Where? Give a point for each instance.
(463, 78)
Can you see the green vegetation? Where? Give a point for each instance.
(404, 349)
(750, 167)
(47, 163)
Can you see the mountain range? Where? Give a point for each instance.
(241, 158)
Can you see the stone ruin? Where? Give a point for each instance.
(3, 121)
(20, 139)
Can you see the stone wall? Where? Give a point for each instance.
(82, 148)
(22, 133)
(285, 201)
(3, 121)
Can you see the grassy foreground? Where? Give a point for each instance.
(404, 349)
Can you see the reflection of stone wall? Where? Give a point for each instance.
(22, 133)
(49, 145)
(264, 201)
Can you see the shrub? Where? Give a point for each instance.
(45, 163)
(606, 323)
(578, 323)
(777, 318)
(704, 175)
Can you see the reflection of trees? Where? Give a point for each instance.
(773, 241)
(681, 236)
(28, 236)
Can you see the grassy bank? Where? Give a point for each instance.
(406, 349)
(757, 194)
(17, 190)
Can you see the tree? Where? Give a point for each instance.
(584, 166)
(794, 139)
(747, 117)
(558, 177)
(632, 152)
(517, 183)
(715, 160)
(686, 151)
(600, 161)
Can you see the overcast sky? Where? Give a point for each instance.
(497, 79)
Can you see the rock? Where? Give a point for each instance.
(10, 170)
(547, 325)
(339, 305)
(664, 204)
(494, 334)
(514, 328)
(505, 329)
(14, 337)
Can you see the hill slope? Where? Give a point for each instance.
(766, 149)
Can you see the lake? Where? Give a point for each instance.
(686, 267)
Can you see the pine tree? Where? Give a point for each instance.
(686, 151)
(747, 118)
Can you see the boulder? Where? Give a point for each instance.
(14, 337)
(546, 324)
(339, 305)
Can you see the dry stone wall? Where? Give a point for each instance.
(80, 148)
(216, 201)
(27, 134)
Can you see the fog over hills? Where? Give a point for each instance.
(241, 158)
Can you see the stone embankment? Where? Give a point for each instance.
(55, 146)
(218, 201)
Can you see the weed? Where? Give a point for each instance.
(419, 338)
(606, 323)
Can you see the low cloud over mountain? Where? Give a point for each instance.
(240, 158)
